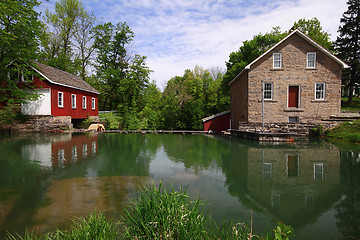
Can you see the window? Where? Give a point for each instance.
(267, 170)
(73, 100)
(293, 119)
(311, 60)
(84, 102)
(93, 103)
(319, 91)
(60, 99)
(277, 60)
(267, 91)
(318, 171)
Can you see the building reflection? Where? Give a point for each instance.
(62, 150)
(291, 184)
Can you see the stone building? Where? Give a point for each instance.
(295, 81)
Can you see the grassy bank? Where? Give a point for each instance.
(348, 131)
(158, 214)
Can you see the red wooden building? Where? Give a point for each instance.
(62, 94)
(218, 122)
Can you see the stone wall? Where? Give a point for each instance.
(43, 124)
(294, 73)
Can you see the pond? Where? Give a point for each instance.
(313, 185)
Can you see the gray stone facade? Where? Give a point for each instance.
(246, 89)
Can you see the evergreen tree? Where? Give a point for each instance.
(348, 43)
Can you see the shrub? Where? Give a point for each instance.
(112, 120)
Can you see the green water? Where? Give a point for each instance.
(312, 185)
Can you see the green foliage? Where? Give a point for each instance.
(248, 52)
(111, 119)
(283, 232)
(161, 214)
(317, 131)
(65, 22)
(349, 131)
(94, 227)
(20, 31)
(347, 44)
(313, 29)
(86, 123)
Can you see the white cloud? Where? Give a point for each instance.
(176, 35)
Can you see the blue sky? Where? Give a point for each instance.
(178, 34)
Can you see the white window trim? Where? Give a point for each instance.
(274, 60)
(272, 91)
(61, 103)
(84, 102)
(93, 103)
(73, 101)
(323, 98)
(307, 60)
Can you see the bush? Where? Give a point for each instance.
(112, 120)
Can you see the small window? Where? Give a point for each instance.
(84, 102)
(293, 119)
(60, 99)
(93, 103)
(73, 100)
(277, 63)
(268, 91)
(320, 91)
(311, 60)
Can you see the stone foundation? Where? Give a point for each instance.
(43, 124)
(303, 129)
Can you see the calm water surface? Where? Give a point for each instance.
(313, 186)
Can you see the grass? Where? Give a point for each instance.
(157, 214)
(349, 131)
(353, 107)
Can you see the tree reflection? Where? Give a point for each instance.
(348, 210)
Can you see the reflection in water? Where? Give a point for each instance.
(47, 179)
(67, 198)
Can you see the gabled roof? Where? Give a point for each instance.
(62, 78)
(305, 37)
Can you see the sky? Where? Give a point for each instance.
(176, 35)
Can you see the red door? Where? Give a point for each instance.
(293, 96)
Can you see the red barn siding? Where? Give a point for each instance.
(218, 123)
(67, 110)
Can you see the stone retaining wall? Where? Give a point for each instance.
(43, 124)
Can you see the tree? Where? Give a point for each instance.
(112, 63)
(248, 52)
(313, 29)
(64, 23)
(20, 31)
(83, 39)
(348, 43)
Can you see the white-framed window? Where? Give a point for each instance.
(268, 91)
(73, 100)
(319, 91)
(60, 99)
(93, 103)
(311, 60)
(84, 102)
(277, 60)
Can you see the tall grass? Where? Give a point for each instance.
(161, 214)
